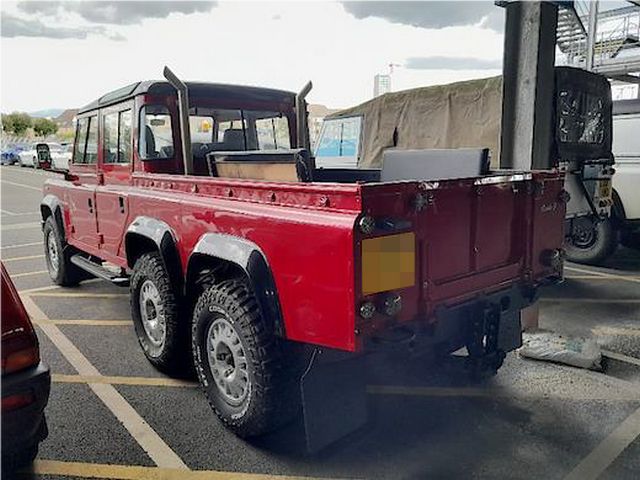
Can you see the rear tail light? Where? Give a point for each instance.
(19, 342)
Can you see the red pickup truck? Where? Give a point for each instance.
(242, 257)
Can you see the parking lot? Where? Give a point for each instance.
(112, 415)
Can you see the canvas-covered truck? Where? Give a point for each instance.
(468, 115)
(249, 263)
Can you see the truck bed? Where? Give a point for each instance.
(471, 236)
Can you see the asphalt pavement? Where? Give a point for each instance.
(112, 415)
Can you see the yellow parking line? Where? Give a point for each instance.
(621, 357)
(113, 380)
(91, 323)
(598, 277)
(20, 226)
(392, 390)
(17, 259)
(130, 472)
(589, 300)
(161, 453)
(622, 331)
(27, 274)
(604, 274)
(79, 295)
(22, 245)
(32, 291)
(22, 185)
(435, 391)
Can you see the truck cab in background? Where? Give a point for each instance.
(468, 115)
(626, 181)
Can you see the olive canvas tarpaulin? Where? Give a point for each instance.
(458, 115)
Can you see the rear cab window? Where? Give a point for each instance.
(238, 130)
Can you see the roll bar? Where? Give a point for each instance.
(183, 112)
(301, 117)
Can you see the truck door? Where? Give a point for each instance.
(112, 192)
(81, 194)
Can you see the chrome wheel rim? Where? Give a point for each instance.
(228, 362)
(52, 254)
(152, 313)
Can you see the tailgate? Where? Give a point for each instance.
(468, 236)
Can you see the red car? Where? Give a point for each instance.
(25, 383)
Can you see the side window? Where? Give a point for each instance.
(81, 140)
(91, 154)
(117, 137)
(124, 136)
(156, 135)
(110, 124)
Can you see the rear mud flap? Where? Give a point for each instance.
(334, 398)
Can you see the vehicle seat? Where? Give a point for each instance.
(434, 164)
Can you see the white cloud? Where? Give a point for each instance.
(273, 44)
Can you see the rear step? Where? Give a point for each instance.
(99, 271)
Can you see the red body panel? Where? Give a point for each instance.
(471, 239)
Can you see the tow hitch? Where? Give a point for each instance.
(490, 335)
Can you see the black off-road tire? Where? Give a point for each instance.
(66, 274)
(604, 243)
(273, 365)
(16, 461)
(172, 355)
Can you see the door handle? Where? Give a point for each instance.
(121, 203)
(90, 202)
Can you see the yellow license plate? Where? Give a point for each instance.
(604, 189)
(388, 263)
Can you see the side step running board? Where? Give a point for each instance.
(99, 271)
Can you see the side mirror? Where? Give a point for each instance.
(43, 156)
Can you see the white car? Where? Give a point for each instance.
(626, 148)
(60, 159)
(29, 158)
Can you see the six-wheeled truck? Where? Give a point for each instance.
(246, 262)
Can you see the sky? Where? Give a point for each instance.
(66, 54)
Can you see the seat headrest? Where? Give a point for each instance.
(233, 139)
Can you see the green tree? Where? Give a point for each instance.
(43, 127)
(16, 122)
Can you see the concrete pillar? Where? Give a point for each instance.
(527, 97)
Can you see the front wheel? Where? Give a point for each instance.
(248, 374)
(590, 241)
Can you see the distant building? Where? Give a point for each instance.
(381, 84)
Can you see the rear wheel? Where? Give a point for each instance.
(248, 374)
(58, 256)
(591, 241)
(156, 316)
